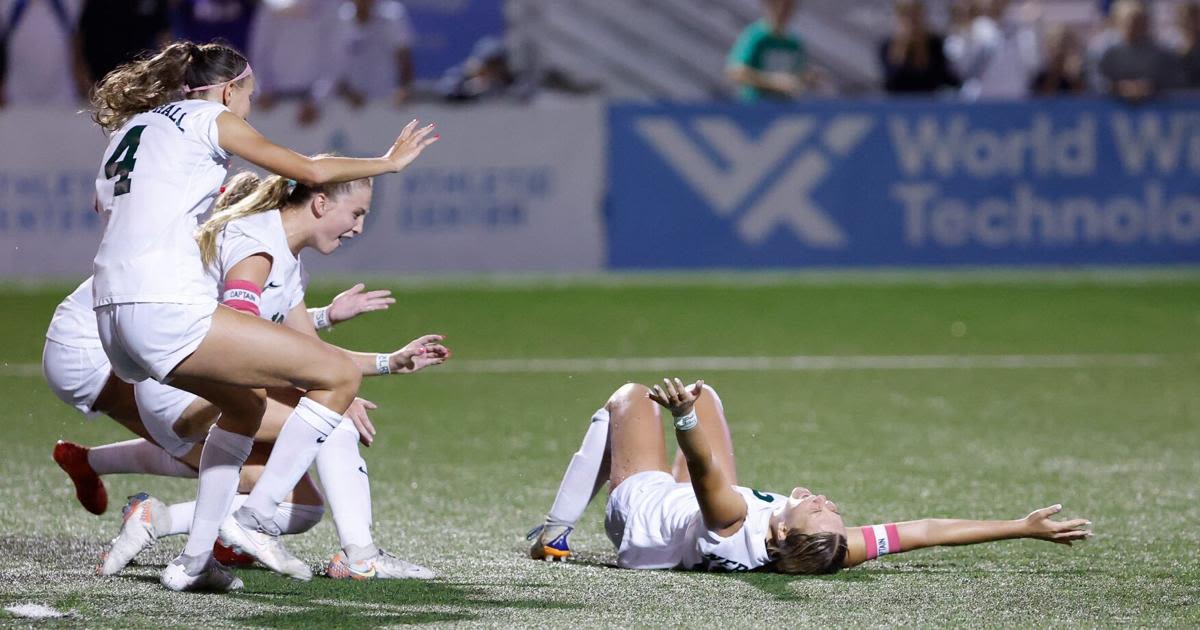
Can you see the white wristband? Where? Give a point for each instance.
(320, 318)
(688, 422)
(383, 364)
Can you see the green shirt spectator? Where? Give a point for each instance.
(766, 62)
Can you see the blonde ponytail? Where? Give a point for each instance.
(271, 194)
(236, 189)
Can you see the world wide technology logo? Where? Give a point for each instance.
(749, 180)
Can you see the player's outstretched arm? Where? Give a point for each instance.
(239, 138)
(350, 304)
(872, 541)
(723, 509)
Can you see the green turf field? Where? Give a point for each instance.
(1009, 394)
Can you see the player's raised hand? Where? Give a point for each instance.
(357, 300)
(358, 415)
(410, 144)
(1039, 524)
(420, 353)
(676, 396)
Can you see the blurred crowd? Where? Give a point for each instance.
(993, 49)
(53, 51)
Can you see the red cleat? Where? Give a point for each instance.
(89, 488)
(229, 557)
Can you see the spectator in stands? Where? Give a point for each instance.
(290, 45)
(1062, 72)
(1097, 45)
(768, 61)
(1189, 45)
(996, 56)
(114, 32)
(487, 73)
(203, 21)
(41, 63)
(1136, 67)
(913, 58)
(373, 48)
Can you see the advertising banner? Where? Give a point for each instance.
(904, 183)
(505, 189)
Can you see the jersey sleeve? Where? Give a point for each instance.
(204, 125)
(237, 245)
(743, 550)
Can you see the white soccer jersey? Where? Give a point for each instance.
(263, 233)
(161, 171)
(655, 523)
(74, 321)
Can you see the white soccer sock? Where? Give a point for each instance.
(180, 516)
(295, 448)
(136, 456)
(291, 518)
(585, 474)
(220, 467)
(347, 487)
(296, 518)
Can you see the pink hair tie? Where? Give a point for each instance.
(245, 73)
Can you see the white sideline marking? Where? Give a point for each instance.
(34, 611)
(804, 363)
(801, 363)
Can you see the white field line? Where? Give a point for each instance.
(804, 363)
(801, 363)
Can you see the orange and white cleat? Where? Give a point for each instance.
(373, 564)
(89, 488)
(145, 518)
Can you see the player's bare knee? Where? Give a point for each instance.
(712, 393)
(628, 396)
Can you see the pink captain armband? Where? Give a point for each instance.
(881, 540)
(242, 295)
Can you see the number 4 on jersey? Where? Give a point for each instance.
(121, 163)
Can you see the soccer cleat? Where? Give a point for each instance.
(379, 565)
(89, 488)
(198, 573)
(230, 558)
(550, 541)
(144, 516)
(261, 544)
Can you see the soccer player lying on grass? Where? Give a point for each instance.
(698, 518)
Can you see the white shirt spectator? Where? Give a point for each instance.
(367, 60)
(996, 59)
(40, 57)
(290, 43)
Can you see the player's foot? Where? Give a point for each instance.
(230, 558)
(89, 488)
(198, 573)
(245, 532)
(144, 518)
(373, 563)
(550, 541)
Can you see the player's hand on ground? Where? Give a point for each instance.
(675, 396)
(419, 354)
(410, 144)
(1039, 524)
(358, 415)
(357, 300)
